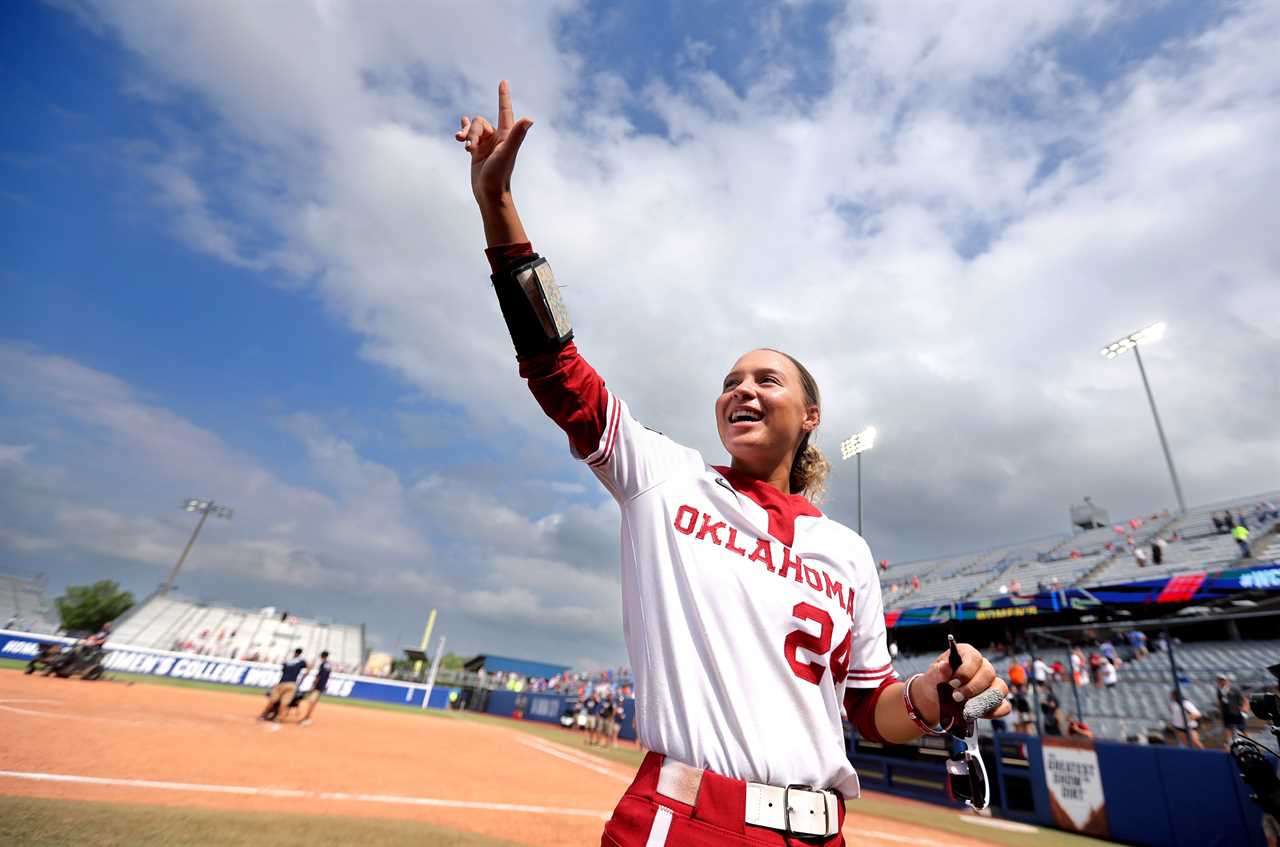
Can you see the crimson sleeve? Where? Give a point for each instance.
(571, 393)
(567, 388)
(860, 706)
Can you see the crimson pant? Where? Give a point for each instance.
(645, 818)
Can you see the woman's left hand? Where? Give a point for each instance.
(974, 676)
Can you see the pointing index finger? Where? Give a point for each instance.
(506, 116)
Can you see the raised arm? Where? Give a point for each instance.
(569, 390)
(493, 159)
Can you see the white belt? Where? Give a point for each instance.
(797, 810)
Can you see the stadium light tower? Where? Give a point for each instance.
(856, 445)
(205, 508)
(1131, 342)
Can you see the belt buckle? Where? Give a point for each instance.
(786, 808)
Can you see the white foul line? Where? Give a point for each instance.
(575, 758)
(297, 793)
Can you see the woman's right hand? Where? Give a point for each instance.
(493, 151)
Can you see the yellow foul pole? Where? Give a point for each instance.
(426, 639)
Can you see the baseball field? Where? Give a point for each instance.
(127, 761)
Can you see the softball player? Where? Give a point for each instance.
(751, 619)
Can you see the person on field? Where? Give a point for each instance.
(619, 715)
(282, 693)
(322, 682)
(605, 720)
(750, 617)
(592, 706)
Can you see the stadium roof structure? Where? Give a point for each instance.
(524, 667)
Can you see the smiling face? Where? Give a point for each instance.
(763, 412)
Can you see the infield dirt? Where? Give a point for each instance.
(178, 747)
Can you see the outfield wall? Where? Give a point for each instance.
(1145, 795)
(123, 658)
(547, 708)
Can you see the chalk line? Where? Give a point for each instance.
(299, 794)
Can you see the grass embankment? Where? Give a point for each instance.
(37, 822)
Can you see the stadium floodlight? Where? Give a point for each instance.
(1143, 336)
(205, 508)
(1132, 342)
(856, 445)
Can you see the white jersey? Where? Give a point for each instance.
(746, 614)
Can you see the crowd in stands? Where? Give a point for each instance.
(614, 682)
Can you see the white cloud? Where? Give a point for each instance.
(946, 236)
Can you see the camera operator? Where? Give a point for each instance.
(1258, 765)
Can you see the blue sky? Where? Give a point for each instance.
(240, 261)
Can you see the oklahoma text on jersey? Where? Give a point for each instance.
(705, 527)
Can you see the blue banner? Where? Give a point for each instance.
(142, 660)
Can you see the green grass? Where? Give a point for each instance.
(37, 822)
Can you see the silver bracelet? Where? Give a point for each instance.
(915, 716)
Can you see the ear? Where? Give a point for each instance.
(812, 417)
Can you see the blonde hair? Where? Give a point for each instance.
(809, 468)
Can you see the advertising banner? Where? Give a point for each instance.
(141, 660)
(1075, 786)
(1184, 588)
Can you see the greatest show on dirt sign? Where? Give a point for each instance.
(1075, 786)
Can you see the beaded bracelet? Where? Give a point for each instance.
(915, 716)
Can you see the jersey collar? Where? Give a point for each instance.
(783, 509)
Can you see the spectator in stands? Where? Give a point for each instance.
(1188, 729)
(1232, 706)
(1109, 674)
(1138, 641)
(1241, 535)
(1219, 526)
(1140, 556)
(1095, 667)
(1078, 664)
(1022, 718)
(1050, 713)
(1157, 550)
(1040, 671)
(1077, 728)
(1058, 670)
(1017, 674)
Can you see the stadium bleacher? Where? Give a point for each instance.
(174, 623)
(23, 605)
(1139, 703)
(1198, 546)
(1087, 558)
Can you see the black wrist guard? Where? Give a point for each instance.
(531, 305)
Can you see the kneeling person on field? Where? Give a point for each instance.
(283, 692)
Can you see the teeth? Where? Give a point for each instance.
(744, 415)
